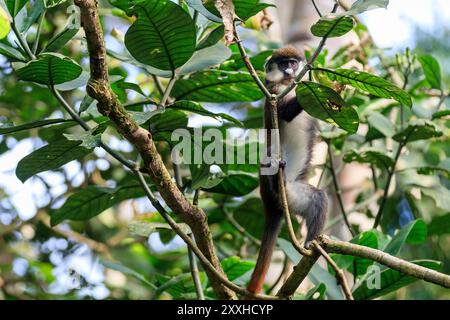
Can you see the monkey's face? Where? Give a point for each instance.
(282, 70)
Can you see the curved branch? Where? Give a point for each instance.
(110, 106)
(403, 266)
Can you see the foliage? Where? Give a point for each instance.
(180, 55)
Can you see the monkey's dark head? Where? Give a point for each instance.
(284, 65)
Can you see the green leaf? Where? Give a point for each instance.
(441, 196)
(244, 8)
(333, 27)
(381, 123)
(391, 280)
(377, 157)
(368, 82)
(4, 23)
(212, 38)
(79, 82)
(198, 6)
(7, 129)
(419, 129)
(440, 114)
(32, 16)
(89, 139)
(163, 35)
(319, 275)
(50, 157)
(234, 267)
(316, 293)
(439, 225)
(367, 239)
(169, 120)
(235, 185)
(414, 232)
(59, 40)
(432, 71)
(11, 53)
(93, 200)
(218, 86)
(14, 6)
(53, 3)
(50, 69)
(206, 58)
(361, 6)
(145, 228)
(197, 108)
(326, 104)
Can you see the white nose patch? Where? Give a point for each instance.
(289, 71)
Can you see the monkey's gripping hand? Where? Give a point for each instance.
(309, 202)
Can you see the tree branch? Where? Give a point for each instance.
(340, 276)
(408, 268)
(110, 106)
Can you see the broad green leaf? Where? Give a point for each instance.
(258, 61)
(142, 117)
(128, 271)
(367, 239)
(432, 71)
(333, 27)
(218, 86)
(169, 120)
(381, 123)
(4, 23)
(212, 38)
(439, 225)
(377, 157)
(326, 104)
(93, 200)
(89, 139)
(7, 129)
(419, 129)
(440, 194)
(414, 232)
(198, 6)
(206, 58)
(145, 228)
(50, 157)
(163, 36)
(197, 108)
(11, 53)
(50, 69)
(33, 14)
(14, 6)
(60, 39)
(235, 185)
(79, 82)
(234, 267)
(361, 6)
(179, 287)
(391, 280)
(369, 83)
(440, 114)
(244, 8)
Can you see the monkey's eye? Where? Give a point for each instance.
(293, 64)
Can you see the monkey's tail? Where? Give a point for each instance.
(271, 230)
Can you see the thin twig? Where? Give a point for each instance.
(191, 243)
(241, 229)
(340, 276)
(338, 191)
(249, 65)
(388, 183)
(317, 8)
(195, 273)
(167, 92)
